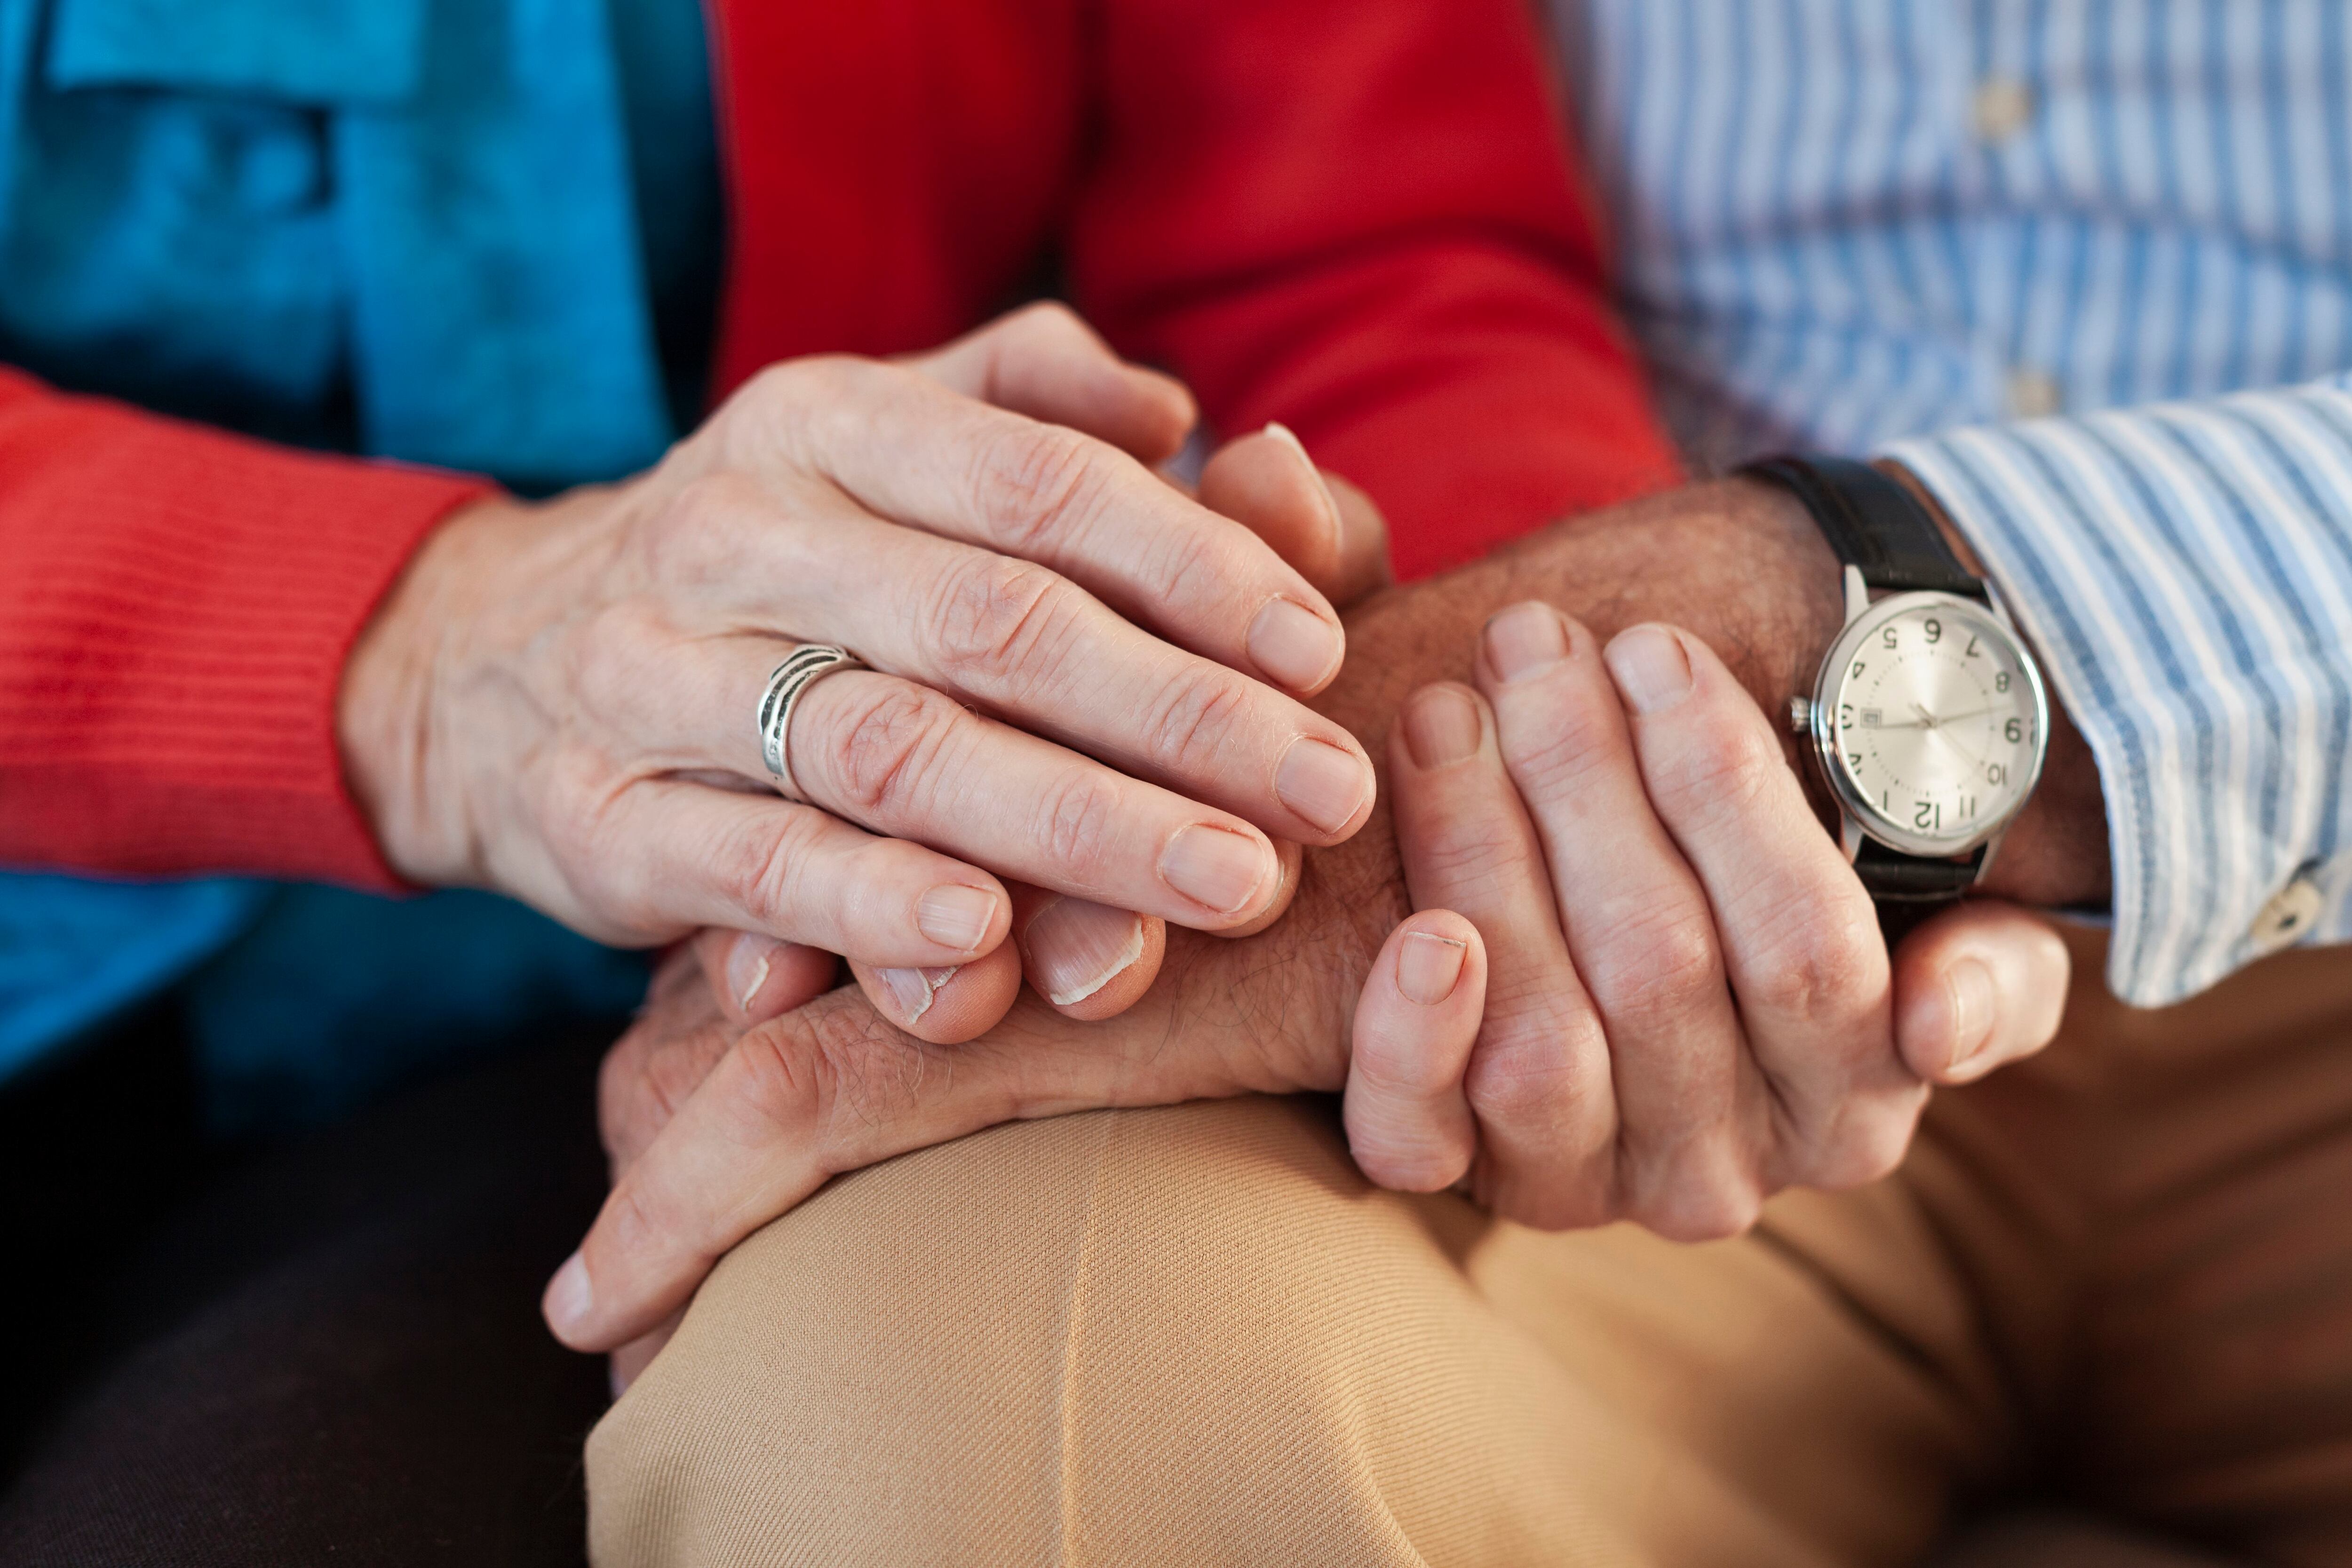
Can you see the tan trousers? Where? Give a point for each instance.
(1195, 1336)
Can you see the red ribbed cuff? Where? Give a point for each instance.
(176, 608)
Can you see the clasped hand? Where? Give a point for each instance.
(1639, 984)
(1083, 681)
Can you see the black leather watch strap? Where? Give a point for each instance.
(1894, 877)
(1872, 523)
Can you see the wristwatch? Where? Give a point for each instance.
(1928, 721)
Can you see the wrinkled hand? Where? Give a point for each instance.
(1090, 960)
(716, 1129)
(1084, 679)
(1689, 1006)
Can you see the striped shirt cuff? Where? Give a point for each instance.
(2185, 572)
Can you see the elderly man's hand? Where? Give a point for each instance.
(1687, 1003)
(773, 1111)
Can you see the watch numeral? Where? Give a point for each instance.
(2014, 730)
(1968, 806)
(1845, 715)
(1857, 669)
(1972, 648)
(1996, 773)
(1929, 815)
(1935, 630)
(1888, 637)
(2001, 682)
(1853, 761)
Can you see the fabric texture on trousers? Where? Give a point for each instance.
(2116, 1275)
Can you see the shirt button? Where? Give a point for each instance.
(2032, 395)
(2286, 918)
(2001, 107)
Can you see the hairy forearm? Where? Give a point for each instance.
(1724, 561)
(1736, 561)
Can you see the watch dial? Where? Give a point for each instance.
(1936, 723)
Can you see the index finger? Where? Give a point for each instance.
(827, 1089)
(909, 448)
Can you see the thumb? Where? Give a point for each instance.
(1409, 1123)
(1044, 362)
(1327, 530)
(1977, 987)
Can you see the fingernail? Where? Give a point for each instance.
(1294, 645)
(748, 963)
(1525, 639)
(1289, 437)
(1651, 668)
(955, 916)
(1321, 782)
(1969, 984)
(1076, 947)
(911, 991)
(569, 1295)
(1215, 868)
(1429, 966)
(1441, 726)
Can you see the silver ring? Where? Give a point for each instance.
(809, 663)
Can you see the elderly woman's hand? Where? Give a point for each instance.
(1082, 677)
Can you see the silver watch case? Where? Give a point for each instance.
(1861, 819)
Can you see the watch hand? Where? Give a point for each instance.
(1931, 721)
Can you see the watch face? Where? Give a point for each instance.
(1930, 719)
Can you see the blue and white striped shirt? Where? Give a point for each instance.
(2086, 266)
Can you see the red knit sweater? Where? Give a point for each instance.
(1358, 218)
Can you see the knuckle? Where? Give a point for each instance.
(1462, 852)
(1395, 1065)
(1826, 970)
(764, 870)
(577, 810)
(608, 657)
(1210, 561)
(1868, 1146)
(698, 527)
(633, 1229)
(879, 755)
(1078, 823)
(1189, 727)
(791, 409)
(1719, 1209)
(1527, 1079)
(1034, 483)
(1653, 963)
(1553, 755)
(1716, 774)
(787, 1080)
(1000, 622)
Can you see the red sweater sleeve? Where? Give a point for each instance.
(1363, 220)
(176, 606)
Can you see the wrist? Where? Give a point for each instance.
(2055, 853)
(387, 704)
